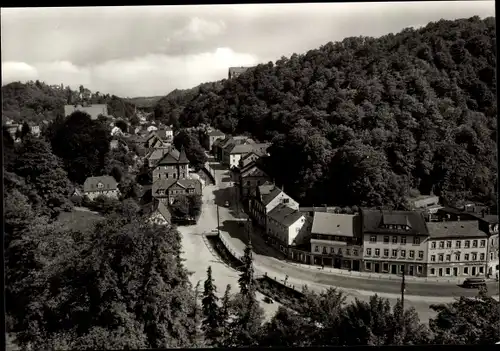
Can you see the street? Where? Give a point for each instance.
(268, 260)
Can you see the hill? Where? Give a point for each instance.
(36, 101)
(366, 121)
(144, 102)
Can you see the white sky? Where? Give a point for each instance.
(151, 50)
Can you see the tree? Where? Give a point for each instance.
(134, 121)
(195, 205)
(43, 170)
(25, 130)
(180, 207)
(211, 321)
(194, 151)
(286, 329)
(246, 279)
(122, 125)
(224, 315)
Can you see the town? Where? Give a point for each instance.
(261, 210)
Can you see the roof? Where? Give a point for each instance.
(268, 192)
(336, 224)
(258, 149)
(165, 184)
(93, 110)
(373, 220)
(425, 201)
(455, 229)
(108, 181)
(174, 157)
(285, 215)
(238, 70)
(215, 132)
(182, 156)
(156, 154)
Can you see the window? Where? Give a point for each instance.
(416, 240)
(403, 253)
(324, 250)
(355, 252)
(474, 256)
(332, 250)
(491, 256)
(394, 239)
(285, 201)
(467, 244)
(441, 244)
(458, 244)
(481, 257)
(368, 266)
(483, 243)
(441, 257)
(386, 252)
(412, 254)
(433, 245)
(377, 252)
(448, 244)
(419, 269)
(403, 240)
(175, 175)
(481, 270)
(368, 252)
(394, 253)
(385, 267)
(401, 268)
(373, 239)
(448, 271)
(457, 257)
(466, 257)
(248, 183)
(466, 270)
(166, 175)
(339, 251)
(433, 271)
(348, 252)
(448, 257)
(474, 243)
(386, 239)
(316, 249)
(421, 255)
(100, 186)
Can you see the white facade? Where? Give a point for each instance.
(113, 194)
(282, 198)
(285, 233)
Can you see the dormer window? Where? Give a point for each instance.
(100, 185)
(285, 201)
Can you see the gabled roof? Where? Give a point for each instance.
(336, 224)
(268, 192)
(174, 157)
(215, 132)
(374, 219)
(285, 215)
(455, 229)
(156, 154)
(253, 171)
(165, 184)
(91, 183)
(182, 156)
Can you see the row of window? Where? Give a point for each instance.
(395, 239)
(456, 271)
(394, 268)
(458, 244)
(174, 176)
(457, 257)
(339, 251)
(175, 192)
(395, 227)
(402, 253)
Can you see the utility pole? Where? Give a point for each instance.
(403, 292)
(218, 225)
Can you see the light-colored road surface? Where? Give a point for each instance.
(198, 256)
(418, 294)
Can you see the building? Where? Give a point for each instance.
(34, 129)
(427, 203)
(336, 240)
(210, 136)
(155, 141)
(173, 165)
(155, 155)
(456, 249)
(284, 226)
(220, 146)
(236, 71)
(267, 197)
(233, 153)
(103, 185)
(167, 190)
(249, 175)
(489, 224)
(394, 241)
(166, 133)
(93, 110)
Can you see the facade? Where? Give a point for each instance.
(34, 129)
(236, 71)
(394, 241)
(456, 249)
(224, 146)
(154, 141)
(284, 226)
(211, 136)
(489, 224)
(267, 197)
(427, 203)
(173, 165)
(155, 155)
(336, 240)
(249, 178)
(103, 185)
(166, 190)
(232, 156)
(93, 110)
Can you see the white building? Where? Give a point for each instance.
(103, 185)
(283, 226)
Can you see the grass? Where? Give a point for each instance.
(78, 220)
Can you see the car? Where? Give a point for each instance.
(268, 300)
(474, 282)
(226, 204)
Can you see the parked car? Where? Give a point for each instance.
(474, 282)
(226, 204)
(268, 300)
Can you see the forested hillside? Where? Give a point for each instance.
(36, 101)
(366, 121)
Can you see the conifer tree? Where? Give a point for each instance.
(210, 323)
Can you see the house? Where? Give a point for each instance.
(103, 185)
(210, 137)
(115, 131)
(336, 240)
(427, 203)
(394, 241)
(173, 165)
(152, 128)
(267, 197)
(154, 141)
(157, 212)
(93, 110)
(220, 146)
(165, 133)
(34, 129)
(12, 129)
(283, 227)
(456, 249)
(236, 71)
(488, 224)
(233, 153)
(155, 155)
(167, 190)
(249, 177)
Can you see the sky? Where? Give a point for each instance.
(152, 50)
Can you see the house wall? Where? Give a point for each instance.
(249, 183)
(234, 160)
(281, 198)
(212, 139)
(283, 235)
(108, 193)
(450, 265)
(171, 172)
(493, 260)
(327, 252)
(386, 262)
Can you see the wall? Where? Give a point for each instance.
(171, 172)
(109, 193)
(279, 199)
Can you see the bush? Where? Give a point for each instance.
(77, 200)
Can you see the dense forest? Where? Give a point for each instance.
(368, 121)
(37, 101)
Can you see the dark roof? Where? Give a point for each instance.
(215, 132)
(182, 156)
(268, 193)
(285, 215)
(174, 157)
(455, 229)
(373, 220)
(336, 224)
(165, 184)
(109, 183)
